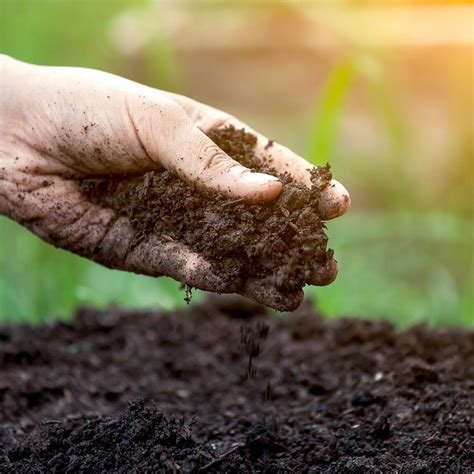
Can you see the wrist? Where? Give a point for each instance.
(14, 84)
(13, 109)
(12, 145)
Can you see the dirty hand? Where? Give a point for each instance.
(58, 125)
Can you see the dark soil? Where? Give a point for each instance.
(228, 388)
(282, 241)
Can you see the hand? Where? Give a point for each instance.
(61, 124)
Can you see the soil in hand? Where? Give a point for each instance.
(348, 396)
(282, 241)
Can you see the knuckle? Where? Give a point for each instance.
(213, 158)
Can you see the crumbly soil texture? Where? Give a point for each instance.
(282, 241)
(227, 387)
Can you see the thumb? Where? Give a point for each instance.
(195, 158)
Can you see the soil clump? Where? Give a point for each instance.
(282, 242)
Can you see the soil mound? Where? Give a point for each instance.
(283, 240)
(226, 387)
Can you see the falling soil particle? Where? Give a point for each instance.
(251, 338)
(282, 241)
(128, 391)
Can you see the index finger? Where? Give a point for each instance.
(334, 199)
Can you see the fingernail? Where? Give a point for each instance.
(334, 201)
(254, 187)
(257, 179)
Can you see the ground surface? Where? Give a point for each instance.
(227, 388)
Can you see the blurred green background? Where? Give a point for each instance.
(380, 90)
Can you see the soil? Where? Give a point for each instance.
(227, 387)
(282, 242)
